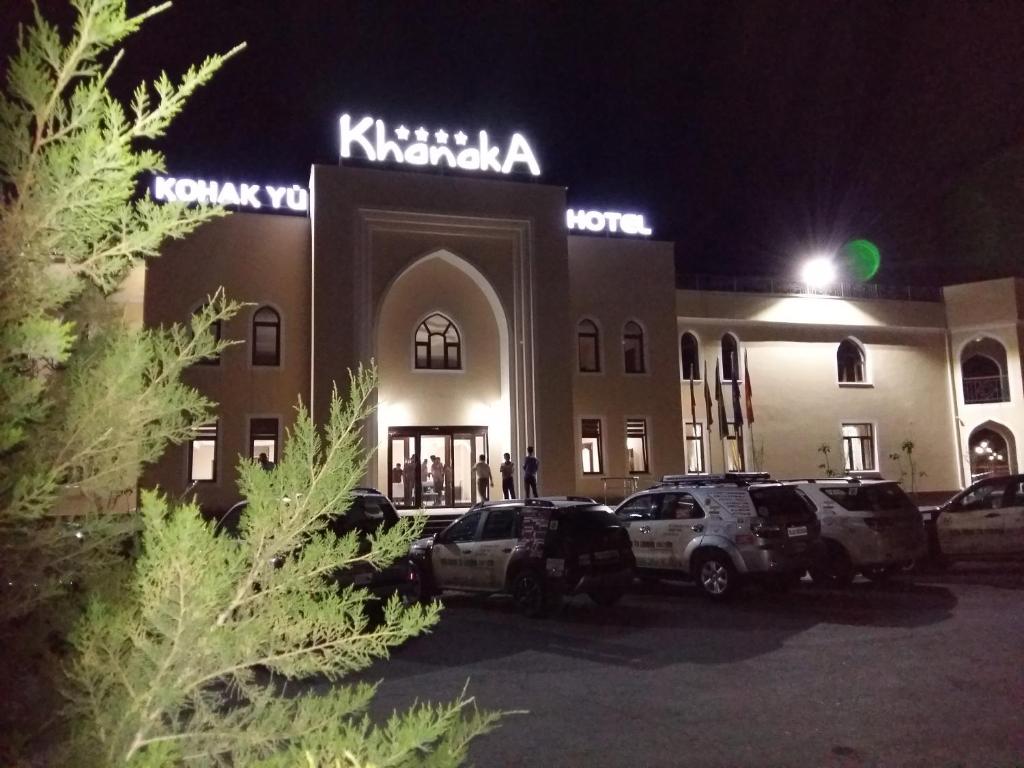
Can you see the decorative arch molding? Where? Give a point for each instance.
(980, 454)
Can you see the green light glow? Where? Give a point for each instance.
(863, 258)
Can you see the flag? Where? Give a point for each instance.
(693, 404)
(723, 421)
(737, 407)
(747, 391)
(707, 397)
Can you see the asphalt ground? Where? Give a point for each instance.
(924, 671)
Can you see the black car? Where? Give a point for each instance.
(537, 550)
(370, 511)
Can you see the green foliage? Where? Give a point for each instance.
(187, 664)
(907, 466)
(826, 466)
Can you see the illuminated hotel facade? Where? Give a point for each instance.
(495, 327)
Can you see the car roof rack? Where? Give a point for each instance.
(584, 499)
(366, 489)
(736, 478)
(844, 479)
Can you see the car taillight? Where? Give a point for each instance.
(765, 530)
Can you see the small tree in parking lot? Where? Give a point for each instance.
(907, 466)
(826, 465)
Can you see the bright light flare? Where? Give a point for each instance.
(818, 272)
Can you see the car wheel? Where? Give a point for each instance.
(834, 568)
(606, 597)
(531, 595)
(716, 576)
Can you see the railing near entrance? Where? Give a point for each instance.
(784, 287)
(628, 485)
(986, 389)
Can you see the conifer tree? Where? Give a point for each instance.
(180, 642)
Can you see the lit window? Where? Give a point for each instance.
(694, 434)
(202, 455)
(735, 461)
(266, 337)
(215, 331)
(850, 362)
(438, 344)
(636, 446)
(591, 447)
(589, 347)
(263, 438)
(633, 347)
(730, 358)
(859, 447)
(689, 353)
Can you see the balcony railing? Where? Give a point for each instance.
(986, 389)
(753, 284)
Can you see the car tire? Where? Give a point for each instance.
(716, 576)
(531, 595)
(834, 567)
(606, 597)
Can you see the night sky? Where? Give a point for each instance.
(748, 132)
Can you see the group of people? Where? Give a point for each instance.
(439, 476)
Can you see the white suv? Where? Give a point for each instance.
(721, 530)
(867, 526)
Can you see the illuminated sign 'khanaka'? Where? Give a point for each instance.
(369, 139)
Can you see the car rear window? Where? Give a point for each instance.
(584, 517)
(883, 497)
(783, 502)
(366, 515)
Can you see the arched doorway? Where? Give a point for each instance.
(992, 451)
(442, 354)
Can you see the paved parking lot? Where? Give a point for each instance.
(924, 672)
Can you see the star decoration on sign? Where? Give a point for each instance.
(422, 134)
(460, 138)
(402, 133)
(441, 136)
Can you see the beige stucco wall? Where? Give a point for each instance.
(613, 281)
(989, 310)
(476, 395)
(257, 258)
(798, 402)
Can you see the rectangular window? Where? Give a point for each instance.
(735, 460)
(591, 447)
(694, 433)
(636, 446)
(202, 455)
(859, 447)
(588, 353)
(263, 438)
(266, 350)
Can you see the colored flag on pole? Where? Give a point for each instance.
(723, 421)
(707, 396)
(748, 391)
(737, 407)
(693, 404)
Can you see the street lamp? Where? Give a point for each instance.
(818, 272)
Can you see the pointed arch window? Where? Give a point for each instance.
(438, 344)
(730, 358)
(850, 362)
(633, 348)
(689, 354)
(266, 337)
(589, 343)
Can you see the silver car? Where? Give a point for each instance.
(721, 531)
(869, 527)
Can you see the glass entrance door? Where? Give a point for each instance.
(433, 466)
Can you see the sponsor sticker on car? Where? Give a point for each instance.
(795, 531)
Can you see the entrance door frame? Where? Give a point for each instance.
(449, 432)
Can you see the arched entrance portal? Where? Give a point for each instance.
(443, 359)
(992, 451)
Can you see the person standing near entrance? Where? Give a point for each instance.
(508, 483)
(409, 478)
(437, 474)
(484, 481)
(530, 468)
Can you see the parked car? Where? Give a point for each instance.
(721, 531)
(869, 527)
(983, 522)
(369, 511)
(537, 550)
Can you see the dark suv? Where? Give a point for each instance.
(537, 550)
(369, 512)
